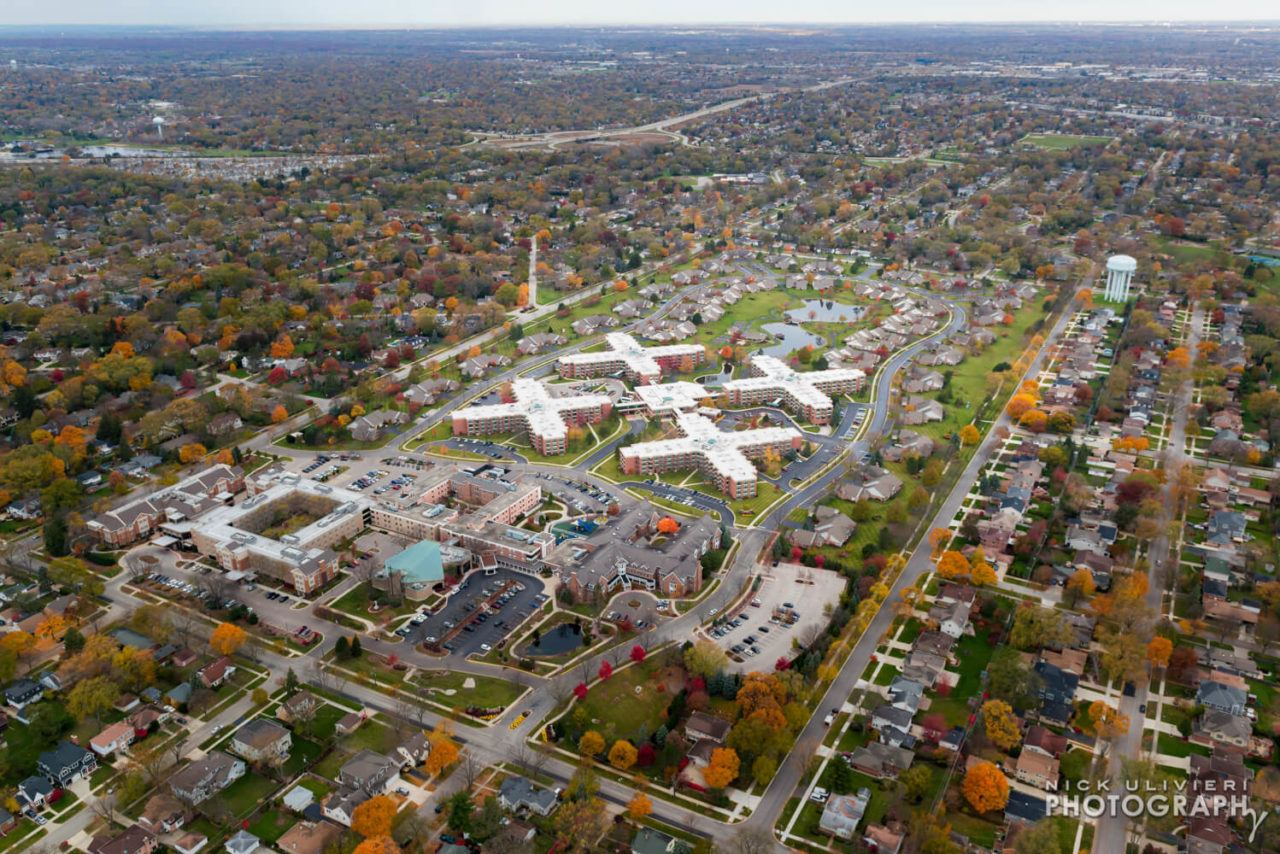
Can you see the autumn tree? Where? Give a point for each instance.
(279, 414)
(444, 750)
(1106, 722)
(591, 743)
(1000, 724)
(705, 658)
(374, 817)
(377, 845)
(227, 638)
(1079, 586)
(1158, 651)
(938, 538)
(985, 787)
(969, 435)
(639, 806)
(92, 697)
(722, 769)
(622, 755)
(282, 347)
(953, 565)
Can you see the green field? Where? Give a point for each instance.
(1062, 141)
(487, 691)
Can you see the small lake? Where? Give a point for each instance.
(826, 311)
(790, 338)
(563, 638)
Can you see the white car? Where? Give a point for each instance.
(819, 795)
(484, 647)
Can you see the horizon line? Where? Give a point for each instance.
(534, 24)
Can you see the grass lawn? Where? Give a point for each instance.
(244, 795)
(327, 715)
(1172, 746)
(633, 714)
(978, 830)
(446, 687)
(301, 756)
(16, 839)
(356, 602)
(1062, 141)
(315, 785)
(374, 735)
(270, 824)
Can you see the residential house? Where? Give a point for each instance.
(215, 673)
(413, 750)
(22, 693)
(262, 741)
(880, 760)
(702, 726)
(132, 840)
(206, 776)
(842, 813)
(243, 842)
(1057, 691)
(66, 763)
(36, 791)
(830, 528)
(882, 840)
(869, 483)
(518, 794)
(1038, 770)
(651, 841)
(309, 837)
(370, 427)
(163, 813)
(300, 707)
(190, 843)
(923, 381)
(114, 737)
(1218, 728)
(908, 444)
(953, 619)
(1045, 742)
(921, 410)
(1221, 697)
(368, 771)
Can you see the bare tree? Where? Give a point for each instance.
(105, 807)
(751, 841)
(470, 769)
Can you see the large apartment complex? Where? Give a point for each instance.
(625, 356)
(723, 456)
(806, 394)
(187, 499)
(536, 411)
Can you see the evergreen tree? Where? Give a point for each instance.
(356, 651)
(55, 535)
(342, 649)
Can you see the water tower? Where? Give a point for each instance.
(158, 121)
(1120, 270)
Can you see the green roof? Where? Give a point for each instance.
(419, 564)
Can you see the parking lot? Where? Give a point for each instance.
(490, 629)
(789, 604)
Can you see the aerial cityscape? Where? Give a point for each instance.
(656, 439)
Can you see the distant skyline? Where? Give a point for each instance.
(428, 13)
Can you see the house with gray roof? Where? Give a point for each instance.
(518, 793)
(1222, 697)
(841, 814)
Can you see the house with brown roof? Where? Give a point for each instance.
(309, 837)
(163, 813)
(262, 740)
(114, 737)
(704, 726)
(301, 706)
(1045, 742)
(131, 840)
(215, 673)
(1036, 769)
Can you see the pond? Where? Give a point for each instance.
(790, 338)
(826, 311)
(563, 638)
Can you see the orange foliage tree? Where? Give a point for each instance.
(373, 817)
(227, 638)
(985, 787)
(722, 769)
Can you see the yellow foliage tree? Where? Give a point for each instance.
(192, 452)
(279, 414)
(377, 845)
(282, 347)
(591, 743)
(1019, 404)
(1000, 724)
(622, 755)
(1159, 650)
(969, 435)
(227, 638)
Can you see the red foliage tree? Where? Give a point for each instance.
(277, 375)
(783, 663)
(580, 690)
(795, 554)
(606, 670)
(645, 755)
(638, 653)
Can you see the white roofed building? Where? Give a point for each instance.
(642, 365)
(726, 457)
(535, 411)
(804, 393)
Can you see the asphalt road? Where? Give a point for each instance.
(1110, 831)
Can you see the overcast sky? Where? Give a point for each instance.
(330, 13)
